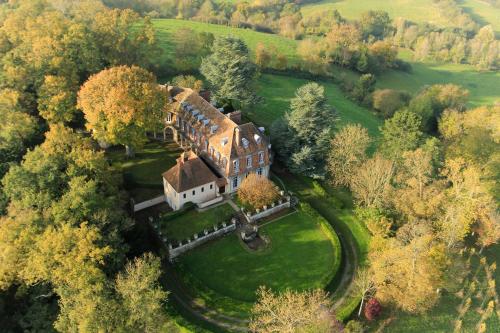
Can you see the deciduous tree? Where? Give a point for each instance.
(257, 191)
(347, 151)
(289, 312)
(121, 104)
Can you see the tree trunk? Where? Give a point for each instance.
(129, 151)
(361, 305)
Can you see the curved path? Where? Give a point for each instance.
(233, 324)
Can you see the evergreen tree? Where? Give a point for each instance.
(304, 133)
(230, 73)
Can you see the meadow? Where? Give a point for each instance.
(420, 11)
(483, 86)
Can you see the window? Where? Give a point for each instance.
(235, 182)
(202, 189)
(206, 145)
(259, 171)
(194, 192)
(236, 165)
(261, 157)
(184, 195)
(211, 186)
(249, 161)
(169, 117)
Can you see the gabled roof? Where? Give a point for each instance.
(225, 127)
(189, 172)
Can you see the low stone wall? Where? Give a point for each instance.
(149, 203)
(198, 239)
(283, 203)
(210, 202)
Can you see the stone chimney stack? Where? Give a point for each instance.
(238, 136)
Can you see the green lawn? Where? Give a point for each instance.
(148, 164)
(166, 33)
(301, 256)
(191, 222)
(277, 91)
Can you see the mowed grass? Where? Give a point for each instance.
(166, 32)
(277, 91)
(300, 256)
(192, 222)
(149, 163)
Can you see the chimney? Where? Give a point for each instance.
(237, 134)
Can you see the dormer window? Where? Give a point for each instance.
(245, 143)
(261, 157)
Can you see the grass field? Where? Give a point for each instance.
(415, 10)
(300, 256)
(191, 222)
(166, 33)
(483, 86)
(420, 11)
(277, 91)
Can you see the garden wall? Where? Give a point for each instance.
(197, 239)
(149, 203)
(210, 202)
(268, 211)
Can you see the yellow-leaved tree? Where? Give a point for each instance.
(257, 191)
(121, 104)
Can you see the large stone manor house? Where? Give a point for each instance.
(219, 151)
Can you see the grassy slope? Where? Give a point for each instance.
(166, 29)
(420, 11)
(483, 86)
(483, 13)
(193, 222)
(415, 10)
(278, 90)
(300, 257)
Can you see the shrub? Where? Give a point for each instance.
(372, 309)
(388, 101)
(257, 191)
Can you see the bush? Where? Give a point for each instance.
(388, 101)
(373, 309)
(257, 191)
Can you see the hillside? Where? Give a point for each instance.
(482, 85)
(420, 11)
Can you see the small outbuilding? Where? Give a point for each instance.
(190, 180)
